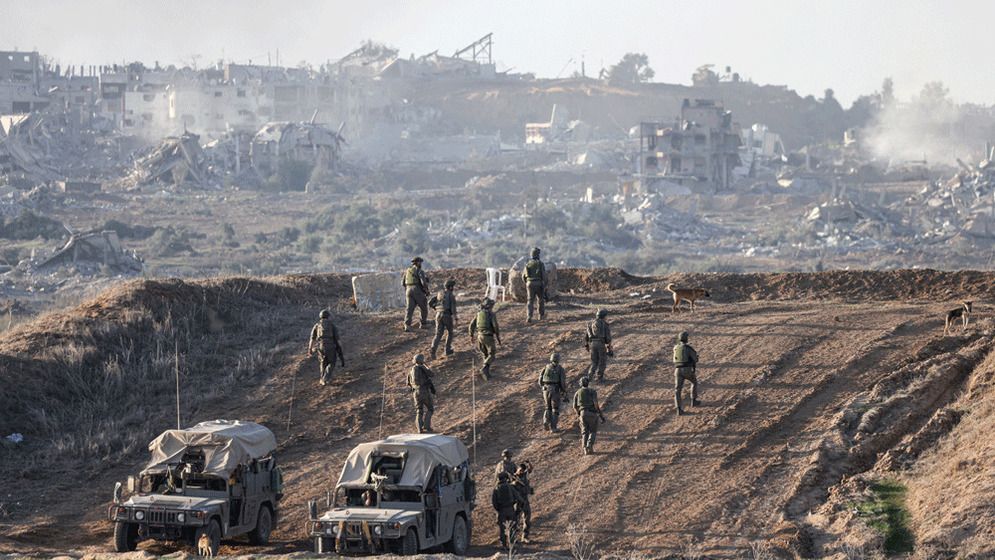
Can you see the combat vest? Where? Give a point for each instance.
(682, 355)
(599, 330)
(586, 398)
(504, 495)
(419, 376)
(326, 331)
(552, 374)
(411, 277)
(533, 270)
(484, 325)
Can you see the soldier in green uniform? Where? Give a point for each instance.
(416, 291)
(534, 276)
(505, 500)
(484, 327)
(422, 391)
(588, 412)
(520, 481)
(598, 342)
(685, 369)
(505, 465)
(325, 339)
(445, 318)
(553, 381)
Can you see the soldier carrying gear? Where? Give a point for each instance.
(534, 276)
(484, 327)
(505, 465)
(445, 318)
(685, 369)
(553, 381)
(598, 341)
(325, 339)
(505, 500)
(588, 412)
(422, 392)
(416, 291)
(520, 481)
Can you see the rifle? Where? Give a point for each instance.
(338, 352)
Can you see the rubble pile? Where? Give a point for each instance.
(964, 204)
(657, 221)
(176, 160)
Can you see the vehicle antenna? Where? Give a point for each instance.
(176, 363)
(293, 392)
(383, 400)
(473, 407)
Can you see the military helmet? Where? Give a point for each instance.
(503, 476)
(450, 283)
(486, 303)
(683, 337)
(602, 313)
(554, 357)
(535, 252)
(324, 314)
(417, 260)
(506, 453)
(419, 358)
(585, 381)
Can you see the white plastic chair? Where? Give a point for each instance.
(495, 285)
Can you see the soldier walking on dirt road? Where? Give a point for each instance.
(423, 392)
(416, 292)
(520, 481)
(685, 369)
(325, 339)
(484, 328)
(598, 342)
(505, 500)
(534, 276)
(588, 413)
(445, 318)
(553, 381)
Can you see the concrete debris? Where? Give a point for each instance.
(308, 142)
(176, 160)
(92, 252)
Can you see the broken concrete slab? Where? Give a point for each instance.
(378, 291)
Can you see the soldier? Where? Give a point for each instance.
(484, 328)
(505, 500)
(553, 381)
(325, 338)
(599, 343)
(445, 318)
(534, 276)
(505, 465)
(588, 413)
(422, 391)
(520, 481)
(416, 291)
(685, 369)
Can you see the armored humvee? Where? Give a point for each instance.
(217, 478)
(401, 495)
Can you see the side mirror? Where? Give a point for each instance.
(132, 485)
(312, 510)
(117, 492)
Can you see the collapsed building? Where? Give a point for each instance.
(308, 142)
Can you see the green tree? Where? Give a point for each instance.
(634, 68)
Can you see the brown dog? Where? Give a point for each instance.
(204, 546)
(963, 313)
(686, 294)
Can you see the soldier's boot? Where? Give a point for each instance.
(696, 402)
(485, 371)
(554, 422)
(431, 353)
(407, 327)
(545, 420)
(528, 320)
(423, 324)
(428, 422)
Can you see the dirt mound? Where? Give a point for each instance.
(590, 281)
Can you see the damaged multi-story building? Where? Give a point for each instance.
(700, 148)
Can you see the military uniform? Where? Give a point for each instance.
(586, 405)
(505, 466)
(445, 321)
(520, 481)
(484, 328)
(553, 381)
(505, 499)
(598, 341)
(416, 292)
(325, 338)
(534, 276)
(422, 392)
(685, 369)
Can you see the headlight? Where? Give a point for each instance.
(139, 515)
(378, 529)
(181, 517)
(335, 529)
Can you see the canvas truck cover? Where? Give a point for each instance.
(225, 443)
(424, 452)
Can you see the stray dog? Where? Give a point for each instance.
(686, 294)
(963, 313)
(204, 546)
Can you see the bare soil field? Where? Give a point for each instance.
(813, 387)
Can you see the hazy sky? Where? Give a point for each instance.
(849, 45)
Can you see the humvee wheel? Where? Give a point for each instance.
(213, 531)
(264, 526)
(409, 544)
(461, 537)
(125, 536)
(321, 545)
